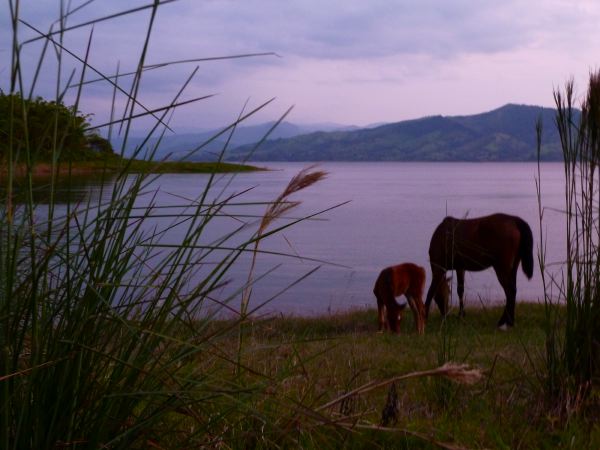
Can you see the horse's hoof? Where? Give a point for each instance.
(379, 331)
(504, 327)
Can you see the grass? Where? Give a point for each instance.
(92, 301)
(318, 359)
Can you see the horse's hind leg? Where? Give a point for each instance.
(508, 280)
(437, 276)
(460, 287)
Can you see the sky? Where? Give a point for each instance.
(349, 62)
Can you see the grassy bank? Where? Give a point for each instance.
(319, 359)
(116, 164)
(188, 167)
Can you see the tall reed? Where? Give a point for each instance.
(573, 358)
(106, 338)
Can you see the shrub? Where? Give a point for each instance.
(38, 130)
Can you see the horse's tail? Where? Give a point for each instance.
(526, 247)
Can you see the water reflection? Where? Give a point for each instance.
(64, 190)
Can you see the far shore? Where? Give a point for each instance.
(83, 168)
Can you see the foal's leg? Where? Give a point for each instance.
(508, 280)
(460, 287)
(382, 322)
(418, 310)
(394, 313)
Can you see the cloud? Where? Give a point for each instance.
(355, 29)
(344, 61)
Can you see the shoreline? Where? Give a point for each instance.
(84, 168)
(372, 309)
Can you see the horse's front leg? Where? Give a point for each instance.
(460, 287)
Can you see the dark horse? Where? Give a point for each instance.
(499, 241)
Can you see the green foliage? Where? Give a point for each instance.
(38, 130)
(98, 144)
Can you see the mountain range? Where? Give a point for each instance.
(507, 133)
(504, 134)
(179, 146)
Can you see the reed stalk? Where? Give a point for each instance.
(573, 357)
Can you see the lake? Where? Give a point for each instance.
(393, 209)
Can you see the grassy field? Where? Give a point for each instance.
(309, 362)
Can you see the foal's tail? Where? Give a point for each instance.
(526, 247)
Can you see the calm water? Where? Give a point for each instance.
(392, 211)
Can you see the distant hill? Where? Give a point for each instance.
(504, 134)
(177, 146)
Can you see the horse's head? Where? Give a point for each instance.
(442, 295)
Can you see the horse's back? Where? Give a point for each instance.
(499, 230)
(408, 279)
(477, 243)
